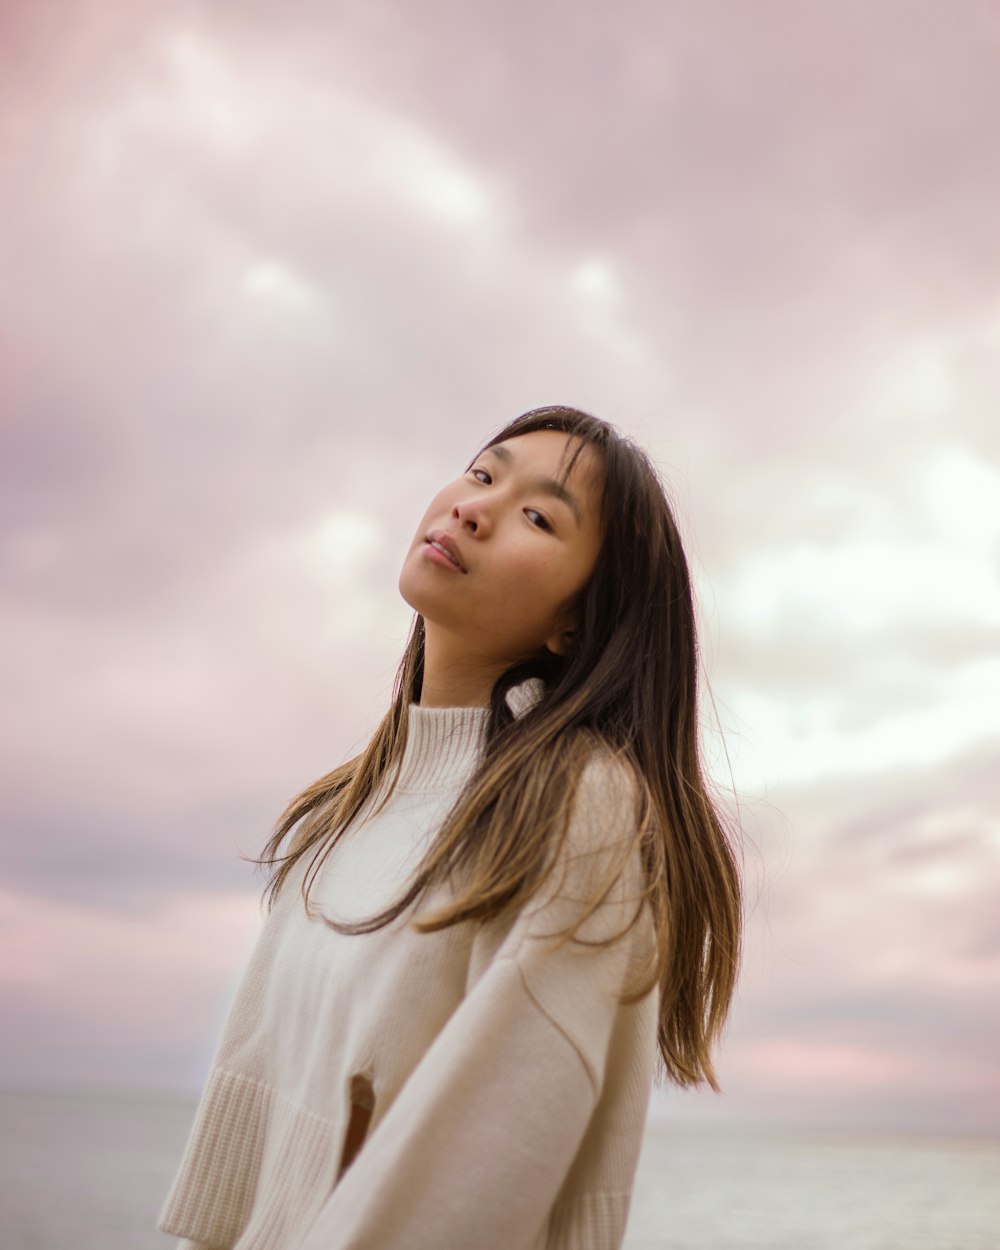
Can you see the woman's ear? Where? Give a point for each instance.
(560, 643)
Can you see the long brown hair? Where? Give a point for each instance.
(628, 684)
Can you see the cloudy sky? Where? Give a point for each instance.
(270, 273)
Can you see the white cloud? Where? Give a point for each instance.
(421, 169)
(918, 382)
(278, 284)
(962, 499)
(595, 277)
(795, 740)
(862, 586)
(344, 542)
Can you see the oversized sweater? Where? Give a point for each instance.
(508, 1088)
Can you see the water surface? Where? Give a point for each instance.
(91, 1173)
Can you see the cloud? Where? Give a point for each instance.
(273, 276)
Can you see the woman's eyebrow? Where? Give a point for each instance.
(548, 485)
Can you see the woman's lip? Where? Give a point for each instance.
(444, 542)
(439, 557)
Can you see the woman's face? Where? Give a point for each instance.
(524, 545)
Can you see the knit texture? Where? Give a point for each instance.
(509, 1088)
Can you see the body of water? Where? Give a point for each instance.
(91, 1172)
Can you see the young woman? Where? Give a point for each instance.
(493, 930)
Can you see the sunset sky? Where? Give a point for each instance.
(269, 274)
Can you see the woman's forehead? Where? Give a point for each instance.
(559, 452)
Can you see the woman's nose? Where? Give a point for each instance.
(472, 516)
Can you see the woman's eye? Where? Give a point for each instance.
(485, 478)
(542, 523)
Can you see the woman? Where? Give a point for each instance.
(492, 930)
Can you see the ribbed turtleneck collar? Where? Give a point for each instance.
(442, 746)
(443, 743)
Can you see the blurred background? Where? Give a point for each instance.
(270, 274)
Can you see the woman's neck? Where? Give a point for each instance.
(448, 690)
(455, 677)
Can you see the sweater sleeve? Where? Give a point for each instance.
(475, 1148)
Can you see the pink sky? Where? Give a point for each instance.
(270, 273)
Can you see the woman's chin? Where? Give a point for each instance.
(424, 589)
(412, 592)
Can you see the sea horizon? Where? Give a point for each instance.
(659, 1114)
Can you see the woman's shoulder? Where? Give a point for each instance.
(599, 850)
(608, 794)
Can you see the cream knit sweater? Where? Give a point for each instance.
(509, 1089)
